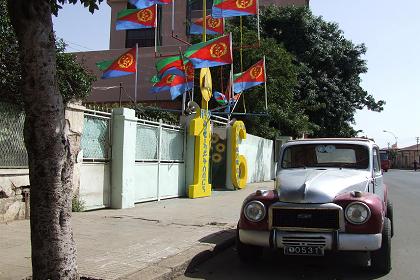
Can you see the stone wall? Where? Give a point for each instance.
(14, 184)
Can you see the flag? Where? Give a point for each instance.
(252, 77)
(213, 26)
(215, 52)
(233, 8)
(124, 65)
(170, 65)
(220, 97)
(179, 85)
(142, 4)
(136, 18)
(164, 84)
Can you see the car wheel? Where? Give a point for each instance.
(390, 215)
(380, 260)
(246, 252)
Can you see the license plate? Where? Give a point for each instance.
(304, 250)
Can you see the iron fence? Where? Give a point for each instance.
(12, 147)
(157, 141)
(96, 137)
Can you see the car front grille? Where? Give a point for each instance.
(305, 218)
(303, 241)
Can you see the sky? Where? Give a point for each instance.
(389, 29)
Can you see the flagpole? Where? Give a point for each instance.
(156, 28)
(135, 80)
(258, 22)
(265, 85)
(184, 95)
(173, 16)
(204, 20)
(240, 53)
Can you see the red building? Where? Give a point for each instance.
(109, 90)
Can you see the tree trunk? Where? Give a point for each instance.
(46, 140)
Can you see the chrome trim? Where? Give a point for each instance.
(263, 207)
(353, 203)
(346, 241)
(324, 206)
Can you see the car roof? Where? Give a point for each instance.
(360, 141)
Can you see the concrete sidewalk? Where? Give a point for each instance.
(155, 240)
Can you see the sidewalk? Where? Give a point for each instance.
(154, 240)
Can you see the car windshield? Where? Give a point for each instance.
(326, 155)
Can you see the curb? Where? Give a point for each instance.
(185, 261)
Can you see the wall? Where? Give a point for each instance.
(259, 154)
(13, 182)
(95, 182)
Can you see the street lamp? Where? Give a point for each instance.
(395, 137)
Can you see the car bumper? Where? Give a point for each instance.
(328, 240)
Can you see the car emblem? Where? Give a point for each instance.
(304, 216)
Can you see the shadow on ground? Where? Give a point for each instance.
(274, 265)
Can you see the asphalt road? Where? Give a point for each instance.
(404, 187)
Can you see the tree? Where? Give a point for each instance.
(73, 79)
(46, 139)
(286, 115)
(331, 65)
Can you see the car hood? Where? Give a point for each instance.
(319, 185)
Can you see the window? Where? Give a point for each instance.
(195, 9)
(143, 37)
(376, 161)
(197, 5)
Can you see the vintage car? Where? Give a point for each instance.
(329, 196)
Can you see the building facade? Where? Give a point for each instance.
(405, 157)
(168, 42)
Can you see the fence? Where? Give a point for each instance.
(12, 146)
(96, 143)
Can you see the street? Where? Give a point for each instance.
(404, 191)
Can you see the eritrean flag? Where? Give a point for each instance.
(163, 85)
(136, 18)
(179, 85)
(213, 26)
(220, 97)
(212, 53)
(252, 77)
(124, 65)
(233, 8)
(170, 65)
(142, 4)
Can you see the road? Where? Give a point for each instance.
(404, 188)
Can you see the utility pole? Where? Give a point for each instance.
(417, 140)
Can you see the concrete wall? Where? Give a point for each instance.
(259, 154)
(95, 182)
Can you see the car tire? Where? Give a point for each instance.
(380, 260)
(390, 215)
(246, 252)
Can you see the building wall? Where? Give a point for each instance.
(259, 153)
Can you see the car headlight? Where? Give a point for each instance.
(357, 213)
(254, 211)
